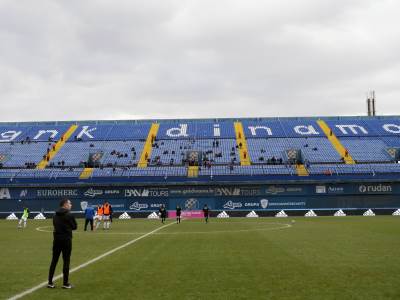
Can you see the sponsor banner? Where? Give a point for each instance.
(146, 205)
(235, 194)
(146, 192)
(57, 193)
(188, 214)
(333, 189)
(30, 193)
(367, 188)
(5, 193)
(274, 203)
(320, 189)
(99, 192)
(232, 205)
(264, 204)
(82, 204)
(336, 189)
(237, 191)
(375, 188)
(285, 190)
(216, 191)
(191, 191)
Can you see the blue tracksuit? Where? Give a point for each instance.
(89, 213)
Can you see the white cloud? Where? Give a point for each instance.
(168, 59)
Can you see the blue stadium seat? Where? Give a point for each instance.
(119, 145)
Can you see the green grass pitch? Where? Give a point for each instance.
(236, 258)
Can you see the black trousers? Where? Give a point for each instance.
(64, 247)
(87, 222)
(163, 217)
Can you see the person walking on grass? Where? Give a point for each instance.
(24, 217)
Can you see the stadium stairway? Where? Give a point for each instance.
(86, 173)
(148, 146)
(301, 170)
(57, 147)
(193, 171)
(241, 140)
(336, 142)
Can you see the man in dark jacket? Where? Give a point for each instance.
(206, 212)
(63, 223)
(163, 213)
(178, 214)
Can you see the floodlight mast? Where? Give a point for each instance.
(371, 104)
(368, 105)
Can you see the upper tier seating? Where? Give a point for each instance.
(119, 146)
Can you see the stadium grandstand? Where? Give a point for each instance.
(261, 164)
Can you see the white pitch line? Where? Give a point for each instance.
(282, 226)
(43, 284)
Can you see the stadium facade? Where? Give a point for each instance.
(262, 164)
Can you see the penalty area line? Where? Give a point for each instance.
(43, 284)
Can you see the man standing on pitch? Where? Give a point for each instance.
(99, 215)
(63, 223)
(206, 212)
(163, 213)
(89, 215)
(178, 214)
(107, 210)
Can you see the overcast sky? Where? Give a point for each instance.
(79, 60)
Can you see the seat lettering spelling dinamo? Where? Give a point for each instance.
(207, 130)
